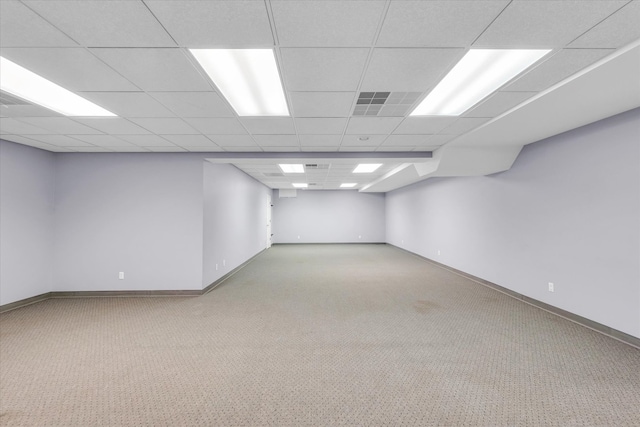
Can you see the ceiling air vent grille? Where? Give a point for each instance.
(316, 166)
(385, 104)
(6, 99)
(272, 174)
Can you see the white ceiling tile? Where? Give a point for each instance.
(91, 149)
(10, 126)
(203, 148)
(281, 149)
(104, 23)
(315, 149)
(59, 140)
(618, 30)
(112, 125)
(21, 27)
(128, 104)
(60, 125)
(320, 140)
(276, 140)
(402, 148)
(189, 140)
(269, 125)
(323, 69)
(19, 139)
(317, 126)
(560, 66)
(498, 103)
(372, 125)
(169, 126)
(463, 125)
(408, 70)
(27, 111)
(194, 104)
(131, 149)
(405, 140)
(155, 69)
(209, 24)
(437, 140)
(75, 69)
(217, 126)
(437, 23)
(241, 148)
(146, 140)
(166, 149)
(322, 104)
(354, 141)
(233, 140)
(103, 140)
(545, 23)
(358, 149)
(326, 23)
(423, 125)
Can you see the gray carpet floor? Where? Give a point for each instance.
(314, 335)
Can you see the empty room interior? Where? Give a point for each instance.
(314, 213)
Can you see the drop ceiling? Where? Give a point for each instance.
(131, 57)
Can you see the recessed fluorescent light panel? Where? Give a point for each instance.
(367, 167)
(300, 185)
(248, 78)
(479, 73)
(29, 86)
(291, 168)
(348, 185)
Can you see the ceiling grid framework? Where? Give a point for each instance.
(132, 58)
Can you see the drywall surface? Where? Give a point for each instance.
(568, 212)
(26, 221)
(235, 219)
(317, 216)
(136, 213)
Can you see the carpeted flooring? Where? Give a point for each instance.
(314, 335)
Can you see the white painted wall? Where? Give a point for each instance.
(235, 219)
(26, 221)
(568, 212)
(329, 217)
(133, 212)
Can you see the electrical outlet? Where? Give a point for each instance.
(551, 287)
(438, 251)
(224, 262)
(359, 237)
(121, 275)
(298, 237)
(216, 267)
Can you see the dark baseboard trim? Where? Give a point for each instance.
(583, 321)
(112, 294)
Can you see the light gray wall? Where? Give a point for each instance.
(235, 219)
(568, 212)
(131, 212)
(26, 221)
(329, 217)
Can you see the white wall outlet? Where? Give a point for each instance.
(216, 267)
(359, 237)
(298, 237)
(121, 275)
(402, 241)
(438, 251)
(224, 262)
(551, 287)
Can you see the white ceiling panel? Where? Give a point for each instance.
(322, 104)
(464, 125)
(498, 103)
(209, 24)
(130, 149)
(437, 23)
(402, 148)
(189, 140)
(619, 29)
(269, 125)
(169, 126)
(359, 149)
(326, 23)
(372, 125)
(406, 140)
(355, 141)
(320, 126)
(243, 148)
(172, 149)
(112, 125)
(545, 23)
(408, 70)
(276, 140)
(281, 149)
(104, 23)
(217, 126)
(320, 140)
(323, 69)
(103, 140)
(10, 126)
(33, 143)
(93, 149)
(233, 140)
(21, 27)
(560, 66)
(60, 125)
(423, 125)
(437, 140)
(203, 148)
(146, 140)
(74, 69)
(194, 104)
(155, 69)
(128, 104)
(27, 111)
(59, 140)
(316, 149)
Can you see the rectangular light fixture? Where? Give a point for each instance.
(367, 167)
(348, 185)
(31, 87)
(479, 73)
(286, 168)
(248, 78)
(300, 185)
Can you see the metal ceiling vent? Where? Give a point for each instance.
(6, 99)
(316, 166)
(272, 174)
(385, 104)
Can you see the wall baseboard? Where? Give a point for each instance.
(583, 321)
(25, 302)
(331, 243)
